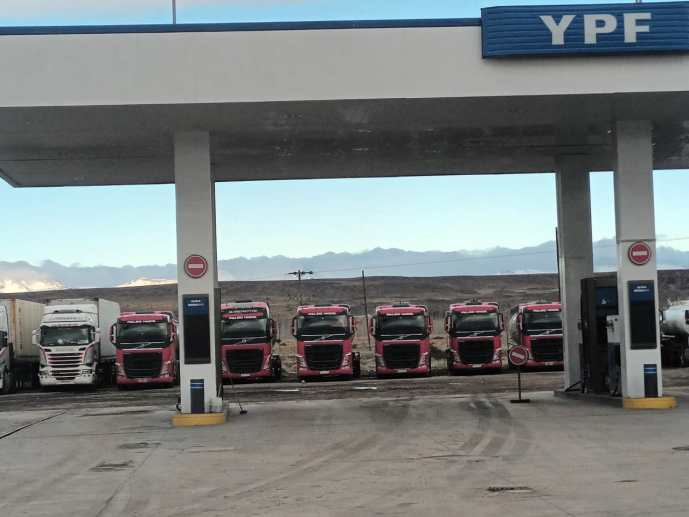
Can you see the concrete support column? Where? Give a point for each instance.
(576, 253)
(635, 222)
(195, 196)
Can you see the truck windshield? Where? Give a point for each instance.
(401, 325)
(475, 322)
(542, 321)
(237, 329)
(142, 335)
(322, 325)
(64, 336)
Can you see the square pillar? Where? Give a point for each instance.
(195, 197)
(575, 253)
(635, 223)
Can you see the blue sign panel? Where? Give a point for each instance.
(585, 29)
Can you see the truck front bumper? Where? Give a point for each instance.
(544, 364)
(384, 371)
(266, 373)
(162, 379)
(463, 367)
(304, 373)
(82, 379)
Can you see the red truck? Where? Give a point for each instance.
(146, 348)
(325, 339)
(402, 335)
(474, 334)
(538, 327)
(248, 337)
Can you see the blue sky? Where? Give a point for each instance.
(137, 224)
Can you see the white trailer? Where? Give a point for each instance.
(18, 355)
(74, 344)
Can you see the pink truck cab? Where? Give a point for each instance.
(474, 336)
(249, 338)
(402, 335)
(146, 348)
(325, 341)
(537, 326)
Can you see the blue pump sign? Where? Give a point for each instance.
(585, 29)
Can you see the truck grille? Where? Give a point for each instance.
(476, 352)
(323, 357)
(144, 364)
(244, 361)
(401, 356)
(64, 366)
(547, 350)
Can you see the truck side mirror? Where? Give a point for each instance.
(372, 326)
(448, 323)
(294, 327)
(96, 335)
(520, 322)
(501, 322)
(113, 333)
(36, 337)
(429, 325)
(352, 325)
(3, 339)
(275, 329)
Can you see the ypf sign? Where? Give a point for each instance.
(639, 253)
(195, 266)
(547, 30)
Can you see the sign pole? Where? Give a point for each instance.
(519, 356)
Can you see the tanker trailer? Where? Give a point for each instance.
(674, 339)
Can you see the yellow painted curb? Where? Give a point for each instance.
(651, 403)
(198, 419)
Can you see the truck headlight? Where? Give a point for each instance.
(301, 362)
(89, 356)
(423, 360)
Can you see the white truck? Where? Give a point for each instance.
(18, 354)
(74, 344)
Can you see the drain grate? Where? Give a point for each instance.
(109, 467)
(509, 489)
(140, 445)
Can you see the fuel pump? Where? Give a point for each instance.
(598, 302)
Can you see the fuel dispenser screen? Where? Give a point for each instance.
(642, 315)
(197, 338)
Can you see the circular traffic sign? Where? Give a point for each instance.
(518, 355)
(195, 266)
(639, 253)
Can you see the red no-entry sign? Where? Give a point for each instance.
(639, 253)
(518, 355)
(195, 266)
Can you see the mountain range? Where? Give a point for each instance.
(22, 276)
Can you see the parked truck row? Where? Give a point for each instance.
(89, 341)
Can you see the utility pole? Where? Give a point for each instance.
(174, 12)
(363, 282)
(299, 273)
